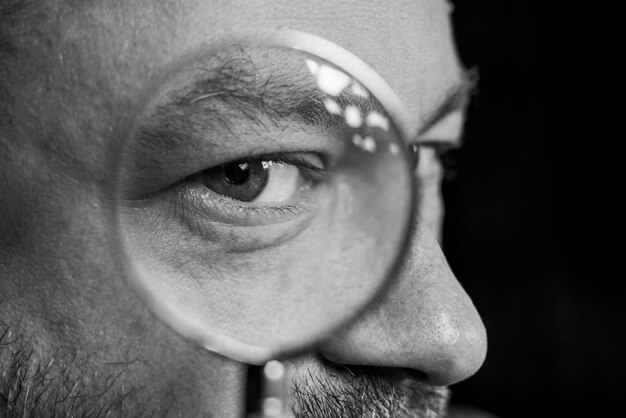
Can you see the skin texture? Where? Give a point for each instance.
(73, 77)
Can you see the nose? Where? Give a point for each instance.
(425, 322)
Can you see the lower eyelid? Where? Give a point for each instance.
(208, 206)
(239, 228)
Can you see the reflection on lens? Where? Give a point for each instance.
(264, 199)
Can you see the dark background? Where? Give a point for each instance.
(528, 230)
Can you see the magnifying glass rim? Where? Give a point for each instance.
(234, 349)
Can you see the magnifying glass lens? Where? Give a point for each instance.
(265, 203)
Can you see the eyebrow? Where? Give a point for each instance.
(457, 98)
(235, 85)
(277, 97)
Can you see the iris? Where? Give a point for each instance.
(239, 180)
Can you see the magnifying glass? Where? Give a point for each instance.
(279, 213)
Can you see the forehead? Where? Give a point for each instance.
(408, 42)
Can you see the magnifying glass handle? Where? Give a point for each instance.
(266, 391)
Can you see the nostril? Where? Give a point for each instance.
(398, 374)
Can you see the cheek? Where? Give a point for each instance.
(57, 257)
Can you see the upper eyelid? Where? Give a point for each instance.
(291, 157)
(183, 121)
(441, 137)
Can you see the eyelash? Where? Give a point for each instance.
(294, 159)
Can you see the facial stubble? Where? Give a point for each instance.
(332, 391)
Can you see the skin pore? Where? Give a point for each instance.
(75, 339)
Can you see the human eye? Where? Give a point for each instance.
(266, 179)
(241, 203)
(256, 190)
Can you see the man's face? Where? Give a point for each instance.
(74, 335)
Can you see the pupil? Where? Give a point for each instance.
(237, 173)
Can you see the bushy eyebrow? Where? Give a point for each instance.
(456, 99)
(237, 85)
(234, 86)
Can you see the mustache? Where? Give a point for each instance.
(365, 392)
